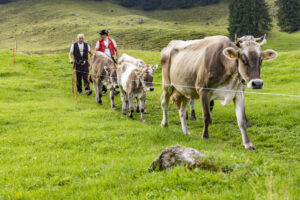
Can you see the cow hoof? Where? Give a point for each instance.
(205, 137)
(146, 112)
(249, 147)
(138, 111)
(114, 107)
(142, 120)
(187, 133)
(164, 124)
(193, 118)
(124, 112)
(99, 102)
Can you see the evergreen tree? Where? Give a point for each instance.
(288, 15)
(249, 17)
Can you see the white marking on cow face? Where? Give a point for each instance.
(114, 78)
(147, 77)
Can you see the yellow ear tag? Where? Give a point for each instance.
(140, 72)
(148, 62)
(232, 55)
(267, 58)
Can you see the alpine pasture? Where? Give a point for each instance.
(53, 148)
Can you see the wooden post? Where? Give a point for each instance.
(73, 73)
(16, 44)
(73, 81)
(74, 86)
(14, 56)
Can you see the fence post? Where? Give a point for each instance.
(16, 44)
(74, 86)
(14, 56)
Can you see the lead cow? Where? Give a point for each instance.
(213, 68)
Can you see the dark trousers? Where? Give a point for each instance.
(82, 72)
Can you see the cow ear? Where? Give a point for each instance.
(154, 67)
(269, 55)
(106, 69)
(230, 53)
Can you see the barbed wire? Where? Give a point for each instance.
(203, 88)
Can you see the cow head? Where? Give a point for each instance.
(147, 77)
(249, 58)
(110, 77)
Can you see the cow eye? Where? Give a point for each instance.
(244, 61)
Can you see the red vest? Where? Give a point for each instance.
(110, 46)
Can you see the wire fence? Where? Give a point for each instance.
(191, 87)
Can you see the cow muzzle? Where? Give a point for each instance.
(151, 89)
(256, 84)
(116, 86)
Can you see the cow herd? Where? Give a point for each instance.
(213, 68)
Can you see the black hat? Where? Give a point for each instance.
(104, 32)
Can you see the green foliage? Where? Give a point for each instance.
(288, 15)
(249, 18)
(52, 148)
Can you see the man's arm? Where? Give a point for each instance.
(117, 53)
(70, 57)
(90, 51)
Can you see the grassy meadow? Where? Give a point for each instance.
(53, 148)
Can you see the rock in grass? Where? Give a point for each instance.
(141, 21)
(177, 155)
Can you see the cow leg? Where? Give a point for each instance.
(205, 102)
(143, 100)
(137, 105)
(182, 114)
(124, 103)
(241, 119)
(193, 113)
(212, 105)
(112, 98)
(131, 106)
(98, 92)
(165, 98)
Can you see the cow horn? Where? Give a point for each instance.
(264, 41)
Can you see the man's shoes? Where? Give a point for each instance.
(116, 92)
(89, 92)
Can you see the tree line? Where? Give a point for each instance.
(252, 17)
(165, 4)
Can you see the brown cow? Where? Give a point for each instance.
(143, 66)
(134, 82)
(211, 68)
(103, 72)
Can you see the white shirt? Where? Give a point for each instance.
(107, 51)
(81, 48)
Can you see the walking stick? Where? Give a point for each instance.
(74, 86)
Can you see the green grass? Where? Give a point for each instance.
(51, 148)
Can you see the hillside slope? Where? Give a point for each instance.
(50, 26)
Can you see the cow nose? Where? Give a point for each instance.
(116, 86)
(256, 84)
(151, 89)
